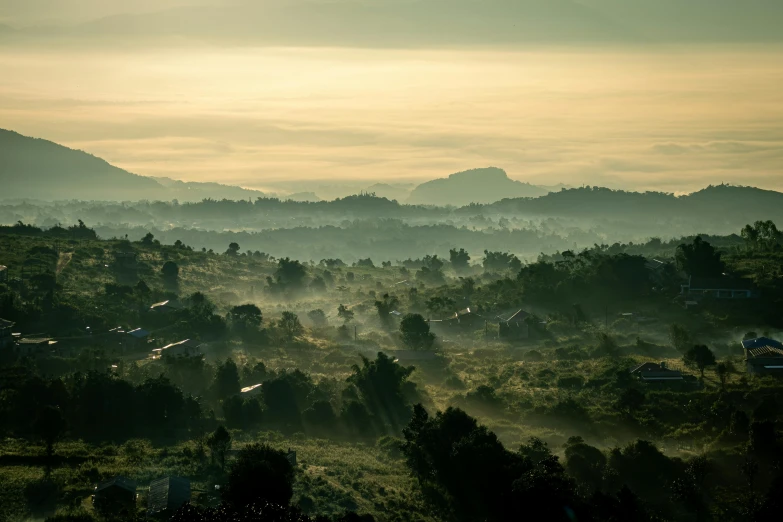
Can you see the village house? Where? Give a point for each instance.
(29, 346)
(6, 337)
(251, 391)
(186, 348)
(166, 496)
(3, 274)
(763, 356)
(115, 496)
(513, 326)
(650, 372)
(718, 288)
(164, 307)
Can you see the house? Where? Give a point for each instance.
(167, 495)
(466, 318)
(6, 337)
(3, 274)
(763, 356)
(164, 307)
(657, 270)
(115, 496)
(724, 287)
(251, 391)
(35, 346)
(650, 372)
(513, 326)
(186, 348)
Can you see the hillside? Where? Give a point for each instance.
(472, 186)
(715, 204)
(39, 169)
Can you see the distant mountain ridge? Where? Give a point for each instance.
(485, 185)
(35, 168)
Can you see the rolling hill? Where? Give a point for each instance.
(485, 185)
(34, 168)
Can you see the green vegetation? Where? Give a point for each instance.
(429, 389)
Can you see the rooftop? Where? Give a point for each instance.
(168, 493)
(119, 481)
(761, 342)
(6, 324)
(719, 283)
(519, 315)
(766, 351)
(139, 333)
(189, 343)
(249, 389)
(33, 340)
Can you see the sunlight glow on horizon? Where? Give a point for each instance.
(668, 120)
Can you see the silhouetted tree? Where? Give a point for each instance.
(260, 474)
(699, 356)
(416, 333)
(219, 442)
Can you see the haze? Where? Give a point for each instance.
(600, 100)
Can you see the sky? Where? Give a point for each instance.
(673, 114)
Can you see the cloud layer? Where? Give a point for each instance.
(656, 119)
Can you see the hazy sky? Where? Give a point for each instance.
(670, 115)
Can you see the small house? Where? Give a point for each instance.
(3, 274)
(723, 287)
(165, 307)
(466, 318)
(650, 372)
(251, 391)
(513, 326)
(115, 496)
(763, 356)
(167, 495)
(186, 348)
(6, 337)
(35, 346)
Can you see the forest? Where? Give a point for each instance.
(463, 387)
(463, 381)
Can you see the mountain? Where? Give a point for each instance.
(34, 168)
(714, 204)
(472, 186)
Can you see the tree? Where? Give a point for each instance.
(50, 426)
(245, 318)
(227, 379)
(416, 333)
(290, 272)
(345, 314)
(380, 383)
(679, 338)
(317, 317)
(460, 259)
(386, 306)
(233, 249)
(500, 261)
(290, 326)
(630, 400)
(148, 239)
(699, 259)
(219, 442)
(259, 475)
(170, 270)
(699, 356)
